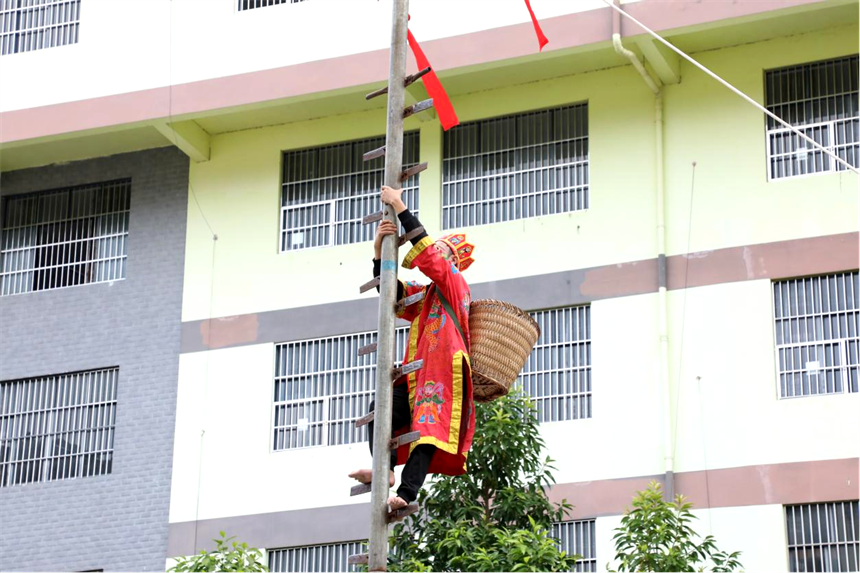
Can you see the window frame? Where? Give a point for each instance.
(584, 187)
(812, 545)
(56, 403)
(352, 548)
(368, 337)
(412, 200)
(123, 186)
(586, 369)
(238, 5)
(830, 125)
(841, 342)
(592, 537)
(47, 30)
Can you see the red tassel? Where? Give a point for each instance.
(441, 103)
(542, 40)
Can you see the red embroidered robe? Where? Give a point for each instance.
(440, 393)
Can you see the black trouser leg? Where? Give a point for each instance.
(400, 416)
(415, 471)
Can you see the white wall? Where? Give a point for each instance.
(132, 45)
(732, 416)
(625, 397)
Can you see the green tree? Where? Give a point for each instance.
(223, 558)
(656, 536)
(497, 516)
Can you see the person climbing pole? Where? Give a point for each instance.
(435, 400)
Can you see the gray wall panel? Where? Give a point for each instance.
(116, 522)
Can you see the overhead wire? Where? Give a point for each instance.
(684, 308)
(733, 88)
(681, 357)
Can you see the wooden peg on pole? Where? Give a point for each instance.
(378, 550)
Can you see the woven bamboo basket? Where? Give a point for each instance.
(502, 337)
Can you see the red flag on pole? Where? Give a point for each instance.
(542, 40)
(447, 115)
(441, 102)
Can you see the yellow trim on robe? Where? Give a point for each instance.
(422, 245)
(457, 409)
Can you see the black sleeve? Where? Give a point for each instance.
(410, 222)
(377, 269)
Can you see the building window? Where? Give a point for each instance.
(817, 321)
(557, 374)
(577, 538)
(65, 237)
(820, 99)
(57, 427)
(251, 4)
(516, 167)
(823, 536)
(327, 190)
(331, 557)
(322, 386)
(27, 25)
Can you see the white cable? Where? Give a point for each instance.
(732, 88)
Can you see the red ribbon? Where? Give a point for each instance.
(441, 103)
(542, 40)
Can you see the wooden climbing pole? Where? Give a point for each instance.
(386, 373)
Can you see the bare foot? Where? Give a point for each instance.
(396, 502)
(364, 476)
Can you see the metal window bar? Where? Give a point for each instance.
(27, 25)
(817, 334)
(332, 557)
(327, 190)
(516, 167)
(67, 237)
(251, 4)
(823, 536)
(823, 98)
(57, 427)
(577, 538)
(321, 387)
(557, 374)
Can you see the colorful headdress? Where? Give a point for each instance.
(461, 249)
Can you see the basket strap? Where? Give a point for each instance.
(447, 306)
